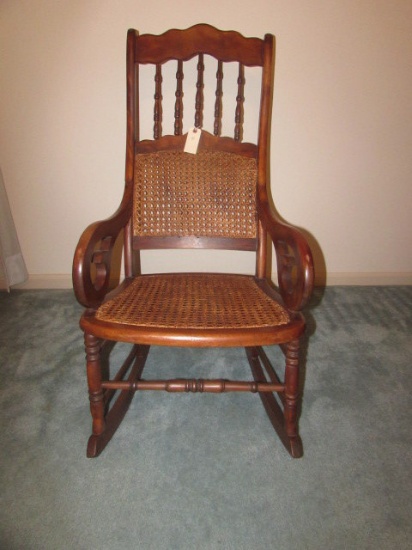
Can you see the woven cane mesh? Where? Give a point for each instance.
(211, 194)
(193, 301)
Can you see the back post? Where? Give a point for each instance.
(132, 265)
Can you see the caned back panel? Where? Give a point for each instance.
(210, 194)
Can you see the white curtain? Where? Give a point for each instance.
(12, 266)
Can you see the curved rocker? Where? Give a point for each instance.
(284, 422)
(100, 400)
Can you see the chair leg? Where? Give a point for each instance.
(94, 380)
(105, 423)
(285, 422)
(291, 402)
(96, 395)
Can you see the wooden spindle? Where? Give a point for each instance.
(179, 99)
(157, 129)
(199, 93)
(239, 104)
(218, 385)
(218, 103)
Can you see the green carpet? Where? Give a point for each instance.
(207, 471)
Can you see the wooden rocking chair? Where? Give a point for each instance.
(214, 198)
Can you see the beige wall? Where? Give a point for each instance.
(341, 139)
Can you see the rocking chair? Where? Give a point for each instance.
(213, 196)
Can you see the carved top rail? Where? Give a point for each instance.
(199, 41)
(183, 45)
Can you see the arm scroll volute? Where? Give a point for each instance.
(294, 260)
(92, 263)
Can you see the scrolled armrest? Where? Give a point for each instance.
(294, 260)
(92, 258)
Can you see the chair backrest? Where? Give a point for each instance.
(208, 199)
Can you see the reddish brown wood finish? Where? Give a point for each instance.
(217, 243)
(157, 129)
(186, 44)
(179, 99)
(100, 438)
(240, 98)
(177, 337)
(207, 142)
(193, 385)
(92, 265)
(217, 128)
(199, 93)
(287, 430)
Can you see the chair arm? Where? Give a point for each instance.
(92, 258)
(294, 259)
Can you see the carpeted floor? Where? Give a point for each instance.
(207, 471)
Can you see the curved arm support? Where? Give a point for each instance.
(92, 258)
(294, 259)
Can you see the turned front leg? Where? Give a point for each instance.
(94, 380)
(292, 389)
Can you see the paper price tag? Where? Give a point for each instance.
(192, 140)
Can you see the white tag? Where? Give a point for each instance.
(192, 140)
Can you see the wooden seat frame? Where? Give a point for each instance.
(92, 266)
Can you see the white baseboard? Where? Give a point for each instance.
(365, 279)
(44, 281)
(64, 281)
